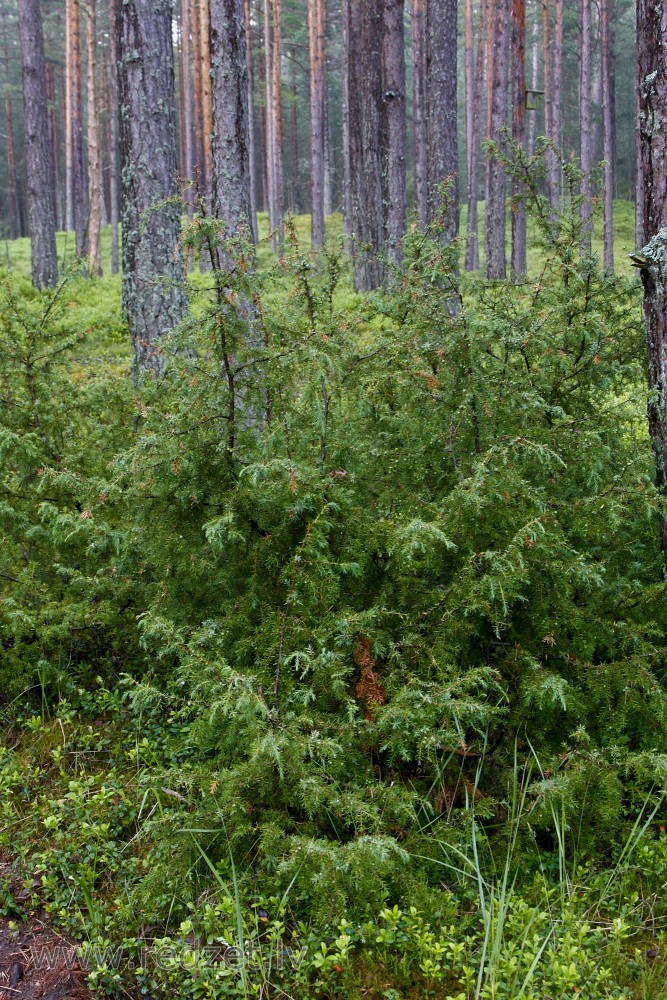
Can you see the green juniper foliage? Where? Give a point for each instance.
(356, 562)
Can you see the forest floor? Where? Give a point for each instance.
(38, 964)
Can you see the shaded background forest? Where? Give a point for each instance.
(294, 132)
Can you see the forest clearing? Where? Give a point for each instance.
(333, 462)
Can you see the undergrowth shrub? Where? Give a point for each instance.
(359, 562)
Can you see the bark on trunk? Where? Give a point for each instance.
(153, 272)
(113, 138)
(364, 67)
(518, 266)
(652, 87)
(94, 173)
(471, 90)
(607, 137)
(316, 35)
(79, 200)
(534, 80)
(419, 111)
(586, 152)
(548, 103)
(393, 65)
(274, 138)
(441, 70)
(197, 101)
(188, 138)
(207, 102)
(557, 88)
(231, 137)
(345, 121)
(38, 154)
(496, 263)
(252, 152)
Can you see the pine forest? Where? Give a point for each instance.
(333, 499)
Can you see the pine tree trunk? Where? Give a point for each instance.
(534, 80)
(607, 137)
(364, 68)
(79, 201)
(153, 273)
(329, 165)
(652, 87)
(274, 143)
(393, 66)
(640, 236)
(113, 137)
(207, 102)
(550, 160)
(94, 173)
(53, 139)
(12, 188)
(186, 76)
(68, 125)
(585, 123)
(252, 150)
(38, 154)
(441, 68)
(230, 151)
(419, 111)
(345, 121)
(496, 262)
(198, 132)
(518, 266)
(263, 134)
(471, 143)
(316, 35)
(557, 88)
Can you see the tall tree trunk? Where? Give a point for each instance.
(186, 76)
(94, 173)
(329, 165)
(557, 88)
(472, 242)
(393, 66)
(153, 272)
(231, 159)
(198, 132)
(640, 236)
(607, 137)
(496, 262)
(419, 111)
(37, 151)
(113, 136)
(207, 103)
(261, 86)
(534, 80)
(79, 200)
(364, 69)
(53, 138)
(274, 143)
(471, 142)
(316, 46)
(345, 121)
(12, 180)
(252, 152)
(585, 131)
(550, 159)
(652, 87)
(518, 266)
(68, 124)
(441, 70)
